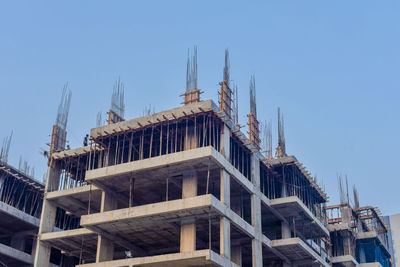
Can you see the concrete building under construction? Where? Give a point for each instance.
(182, 187)
(359, 235)
(21, 200)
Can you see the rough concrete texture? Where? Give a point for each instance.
(395, 227)
(240, 237)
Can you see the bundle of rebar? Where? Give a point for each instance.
(191, 70)
(267, 144)
(281, 149)
(117, 99)
(253, 106)
(5, 148)
(63, 108)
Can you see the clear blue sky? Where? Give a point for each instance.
(332, 66)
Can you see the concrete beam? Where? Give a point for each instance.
(296, 249)
(193, 258)
(347, 260)
(371, 264)
(15, 254)
(163, 210)
(65, 234)
(20, 215)
(149, 163)
(282, 204)
(169, 115)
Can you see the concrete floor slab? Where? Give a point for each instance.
(72, 242)
(371, 264)
(186, 259)
(293, 208)
(117, 177)
(296, 250)
(76, 200)
(346, 260)
(131, 223)
(14, 220)
(13, 257)
(172, 114)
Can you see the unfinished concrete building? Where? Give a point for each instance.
(182, 187)
(21, 199)
(359, 235)
(20, 207)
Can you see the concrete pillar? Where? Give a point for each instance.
(285, 229)
(188, 236)
(256, 244)
(347, 247)
(189, 184)
(225, 224)
(47, 218)
(256, 254)
(255, 171)
(225, 187)
(188, 227)
(283, 192)
(225, 237)
(236, 255)
(225, 141)
(256, 222)
(105, 247)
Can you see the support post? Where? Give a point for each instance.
(105, 247)
(256, 214)
(225, 224)
(285, 229)
(47, 219)
(225, 141)
(188, 227)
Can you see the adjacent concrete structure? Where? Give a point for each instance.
(359, 236)
(21, 199)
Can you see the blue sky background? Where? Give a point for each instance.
(332, 67)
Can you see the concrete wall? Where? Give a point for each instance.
(395, 229)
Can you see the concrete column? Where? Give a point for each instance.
(236, 255)
(225, 141)
(256, 254)
(256, 222)
(225, 224)
(188, 227)
(255, 171)
(105, 247)
(347, 244)
(225, 237)
(285, 229)
(189, 184)
(225, 185)
(47, 219)
(256, 244)
(188, 236)
(256, 214)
